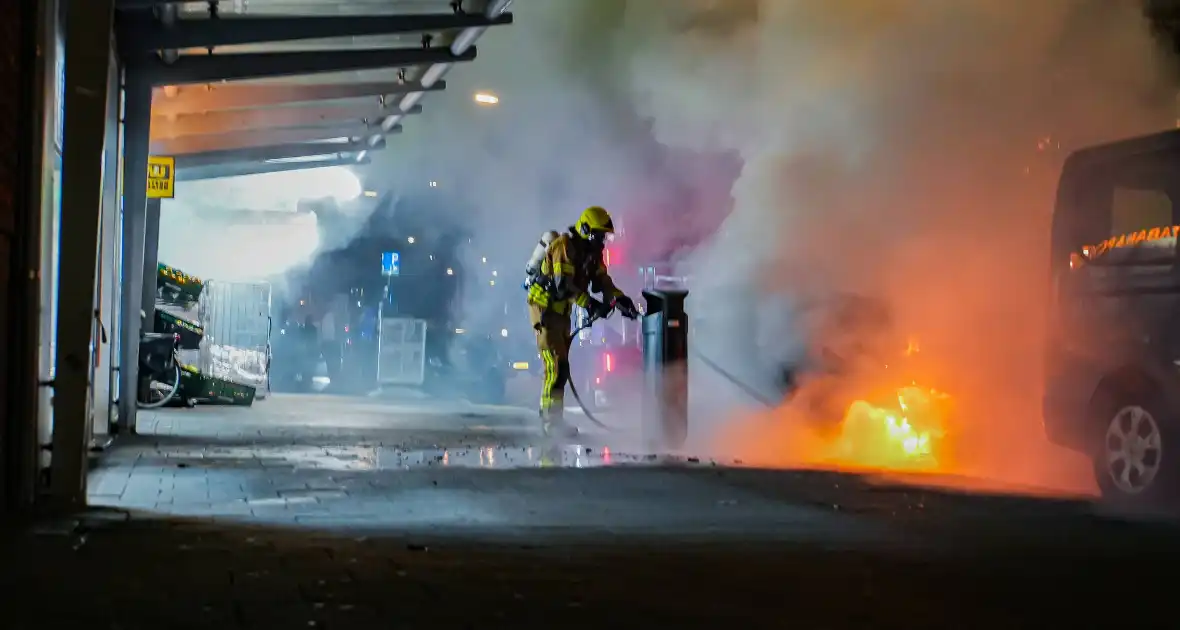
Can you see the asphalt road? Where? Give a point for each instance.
(278, 519)
(111, 573)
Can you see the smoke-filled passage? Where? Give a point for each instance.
(801, 160)
(904, 149)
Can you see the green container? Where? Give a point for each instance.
(176, 286)
(190, 333)
(214, 391)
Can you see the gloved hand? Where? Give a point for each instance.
(597, 309)
(626, 306)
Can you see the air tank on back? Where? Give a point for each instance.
(533, 266)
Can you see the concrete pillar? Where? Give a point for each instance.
(88, 59)
(105, 382)
(137, 121)
(151, 259)
(50, 184)
(43, 225)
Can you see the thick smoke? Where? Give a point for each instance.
(260, 227)
(563, 137)
(905, 148)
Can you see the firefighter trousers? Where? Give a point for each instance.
(553, 344)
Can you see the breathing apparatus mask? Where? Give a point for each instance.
(595, 238)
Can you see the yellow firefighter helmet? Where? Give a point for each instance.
(595, 221)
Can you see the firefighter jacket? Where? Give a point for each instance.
(570, 271)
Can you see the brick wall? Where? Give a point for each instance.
(11, 83)
(16, 68)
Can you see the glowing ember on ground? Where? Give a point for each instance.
(905, 436)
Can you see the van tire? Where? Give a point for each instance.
(1136, 454)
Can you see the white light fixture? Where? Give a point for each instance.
(486, 98)
(370, 193)
(495, 273)
(503, 332)
(450, 272)
(484, 260)
(433, 184)
(492, 282)
(459, 331)
(410, 240)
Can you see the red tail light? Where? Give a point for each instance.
(608, 362)
(606, 257)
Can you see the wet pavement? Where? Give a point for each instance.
(458, 470)
(352, 513)
(353, 463)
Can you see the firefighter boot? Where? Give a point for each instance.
(553, 424)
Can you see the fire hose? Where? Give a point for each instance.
(735, 381)
(574, 389)
(722, 372)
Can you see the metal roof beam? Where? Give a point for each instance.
(248, 139)
(124, 5)
(229, 96)
(238, 169)
(190, 69)
(259, 119)
(463, 43)
(140, 32)
(273, 152)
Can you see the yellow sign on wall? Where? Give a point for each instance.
(161, 177)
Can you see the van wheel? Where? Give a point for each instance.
(1134, 463)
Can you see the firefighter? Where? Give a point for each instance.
(570, 270)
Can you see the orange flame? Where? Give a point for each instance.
(906, 437)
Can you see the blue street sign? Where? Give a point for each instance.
(391, 264)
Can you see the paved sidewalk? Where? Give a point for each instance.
(336, 463)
